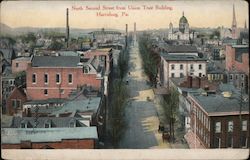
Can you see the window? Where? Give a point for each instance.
(33, 78)
(200, 66)
(18, 103)
(244, 125)
(181, 67)
(47, 125)
(200, 74)
(242, 76)
(230, 141)
(230, 126)
(17, 65)
(181, 75)
(191, 66)
(72, 124)
(45, 92)
(242, 84)
(70, 78)
(86, 69)
(58, 78)
(217, 127)
(172, 75)
(23, 125)
(217, 142)
(61, 91)
(13, 102)
(244, 140)
(172, 66)
(231, 76)
(46, 78)
(236, 76)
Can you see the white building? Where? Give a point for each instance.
(181, 61)
(183, 33)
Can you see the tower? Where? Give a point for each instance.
(135, 31)
(126, 36)
(67, 27)
(234, 25)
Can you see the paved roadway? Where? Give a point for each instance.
(141, 115)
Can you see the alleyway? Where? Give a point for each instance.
(141, 114)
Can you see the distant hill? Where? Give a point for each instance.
(6, 30)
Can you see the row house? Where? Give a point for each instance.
(181, 62)
(57, 76)
(219, 120)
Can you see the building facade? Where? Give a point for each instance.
(56, 77)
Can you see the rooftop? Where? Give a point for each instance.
(16, 135)
(23, 59)
(55, 61)
(55, 122)
(216, 103)
(84, 105)
(182, 57)
(180, 48)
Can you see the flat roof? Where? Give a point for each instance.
(182, 57)
(55, 61)
(16, 135)
(217, 103)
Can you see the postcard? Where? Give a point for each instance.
(121, 79)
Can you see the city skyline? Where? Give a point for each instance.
(40, 14)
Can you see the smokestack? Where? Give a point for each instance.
(126, 36)
(135, 31)
(67, 27)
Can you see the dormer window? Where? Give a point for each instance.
(72, 124)
(47, 124)
(86, 69)
(23, 125)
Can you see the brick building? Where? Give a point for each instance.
(219, 121)
(20, 64)
(57, 76)
(14, 103)
(237, 66)
(49, 138)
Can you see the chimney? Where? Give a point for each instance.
(189, 81)
(67, 27)
(126, 36)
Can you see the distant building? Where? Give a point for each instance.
(233, 32)
(57, 76)
(180, 61)
(20, 64)
(237, 66)
(183, 33)
(49, 138)
(15, 101)
(216, 123)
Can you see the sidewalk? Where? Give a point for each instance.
(190, 138)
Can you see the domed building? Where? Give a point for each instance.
(183, 33)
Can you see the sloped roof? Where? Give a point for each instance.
(218, 103)
(8, 54)
(55, 61)
(90, 104)
(16, 135)
(180, 49)
(56, 122)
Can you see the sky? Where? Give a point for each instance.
(52, 13)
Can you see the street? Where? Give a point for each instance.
(141, 115)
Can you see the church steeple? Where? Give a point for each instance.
(183, 13)
(234, 25)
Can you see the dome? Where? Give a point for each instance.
(183, 23)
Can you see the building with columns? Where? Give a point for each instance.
(183, 33)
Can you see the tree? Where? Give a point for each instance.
(55, 45)
(170, 105)
(151, 58)
(117, 112)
